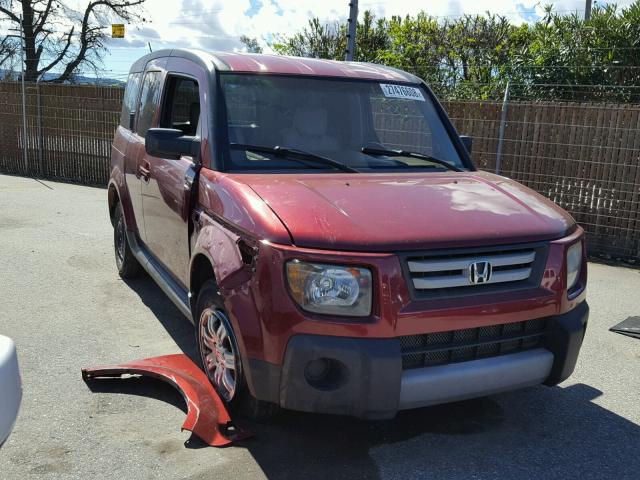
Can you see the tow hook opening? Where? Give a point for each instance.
(326, 374)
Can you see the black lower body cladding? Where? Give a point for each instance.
(564, 340)
(364, 377)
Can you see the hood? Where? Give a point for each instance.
(391, 212)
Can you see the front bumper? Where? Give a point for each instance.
(366, 378)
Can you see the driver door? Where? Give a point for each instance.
(167, 192)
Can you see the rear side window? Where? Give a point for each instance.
(130, 97)
(181, 107)
(149, 99)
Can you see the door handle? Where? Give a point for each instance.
(144, 171)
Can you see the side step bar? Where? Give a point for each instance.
(169, 286)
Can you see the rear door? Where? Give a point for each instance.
(166, 193)
(120, 149)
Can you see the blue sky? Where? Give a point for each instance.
(218, 24)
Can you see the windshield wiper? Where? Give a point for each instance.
(294, 152)
(405, 153)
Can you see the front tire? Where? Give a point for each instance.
(220, 357)
(128, 266)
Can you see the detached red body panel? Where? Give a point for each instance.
(207, 416)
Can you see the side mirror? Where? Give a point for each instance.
(132, 120)
(467, 141)
(170, 143)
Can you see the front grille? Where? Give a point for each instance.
(497, 269)
(440, 348)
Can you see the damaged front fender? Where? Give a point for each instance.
(207, 415)
(223, 249)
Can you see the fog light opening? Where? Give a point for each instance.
(325, 374)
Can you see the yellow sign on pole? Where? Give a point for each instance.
(117, 30)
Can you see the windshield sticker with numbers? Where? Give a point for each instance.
(401, 91)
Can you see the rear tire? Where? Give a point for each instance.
(220, 357)
(126, 262)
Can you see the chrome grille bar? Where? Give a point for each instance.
(454, 271)
(462, 263)
(462, 280)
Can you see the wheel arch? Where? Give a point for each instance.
(217, 255)
(113, 198)
(118, 193)
(201, 271)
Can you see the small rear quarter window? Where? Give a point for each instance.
(130, 97)
(149, 100)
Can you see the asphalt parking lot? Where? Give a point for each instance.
(63, 303)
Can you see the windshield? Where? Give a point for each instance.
(360, 125)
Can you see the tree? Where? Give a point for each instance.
(58, 37)
(570, 58)
(316, 40)
(559, 56)
(7, 52)
(330, 40)
(455, 56)
(250, 44)
(372, 38)
(417, 44)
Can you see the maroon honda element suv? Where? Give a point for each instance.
(323, 227)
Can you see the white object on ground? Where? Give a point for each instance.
(10, 387)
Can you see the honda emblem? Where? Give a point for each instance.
(479, 272)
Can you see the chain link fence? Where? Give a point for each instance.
(585, 156)
(68, 134)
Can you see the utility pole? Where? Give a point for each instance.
(587, 10)
(503, 124)
(40, 139)
(24, 101)
(351, 33)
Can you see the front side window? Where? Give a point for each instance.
(130, 97)
(332, 118)
(149, 99)
(181, 107)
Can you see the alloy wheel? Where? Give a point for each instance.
(218, 352)
(120, 239)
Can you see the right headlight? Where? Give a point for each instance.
(574, 264)
(330, 289)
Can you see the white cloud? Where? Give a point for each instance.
(218, 24)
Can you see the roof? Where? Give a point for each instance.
(280, 64)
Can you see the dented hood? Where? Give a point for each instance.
(390, 212)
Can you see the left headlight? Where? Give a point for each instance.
(330, 289)
(574, 264)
